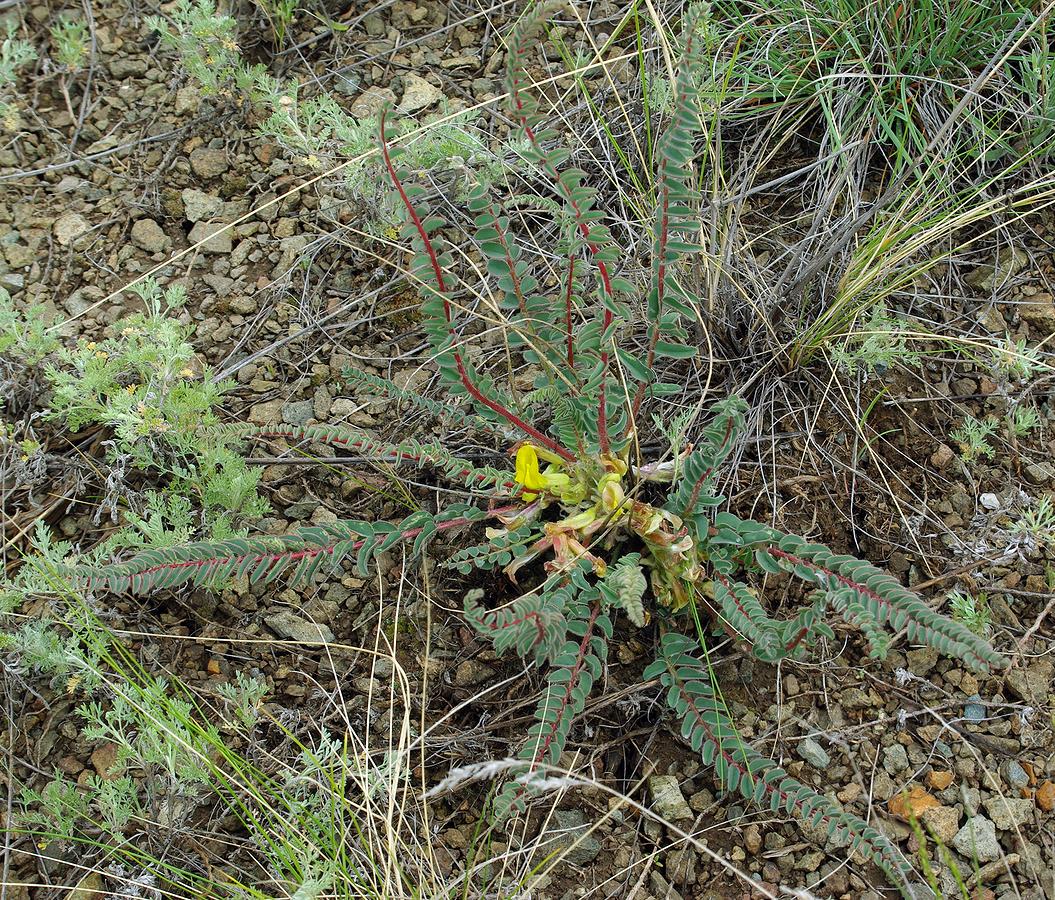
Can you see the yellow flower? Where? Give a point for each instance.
(612, 493)
(528, 474)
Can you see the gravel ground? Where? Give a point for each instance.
(285, 297)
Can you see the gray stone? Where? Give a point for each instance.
(567, 837)
(214, 238)
(667, 800)
(371, 101)
(70, 226)
(1032, 684)
(188, 99)
(298, 412)
(472, 671)
(988, 278)
(293, 628)
(1039, 473)
(1014, 773)
(977, 840)
(1009, 813)
(127, 66)
(814, 753)
(973, 710)
(148, 235)
(12, 281)
(895, 759)
(198, 205)
(921, 661)
(208, 163)
(989, 501)
(418, 94)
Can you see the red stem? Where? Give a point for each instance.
(537, 436)
(567, 310)
(602, 269)
(542, 748)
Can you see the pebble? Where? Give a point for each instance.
(895, 759)
(944, 821)
(752, 839)
(298, 412)
(208, 163)
(668, 802)
(149, 236)
(293, 628)
(213, 238)
(1009, 813)
(989, 501)
(371, 101)
(977, 840)
(1014, 773)
(418, 94)
(567, 829)
(973, 710)
(814, 753)
(198, 205)
(70, 226)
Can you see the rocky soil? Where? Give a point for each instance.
(285, 294)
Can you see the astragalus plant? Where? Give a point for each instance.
(597, 531)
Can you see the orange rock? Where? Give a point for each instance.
(1046, 796)
(939, 780)
(104, 760)
(910, 804)
(213, 667)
